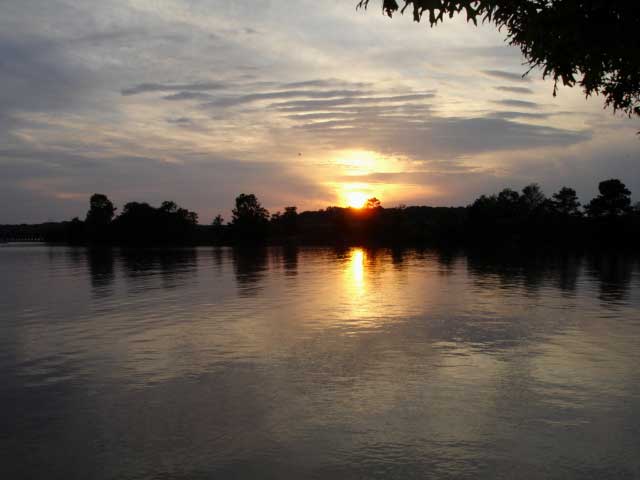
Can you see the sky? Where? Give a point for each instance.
(308, 102)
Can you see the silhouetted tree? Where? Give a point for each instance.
(285, 224)
(507, 218)
(566, 202)
(99, 217)
(614, 200)
(101, 210)
(218, 221)
(142, 223)
(168, 207)
(373, 203)
(75, 231)
(508, 198)
(509, 205)
(187, 217)
(593, 43)
(137, 223)
(276, 217)
(250, 219)
(218, 229)
(290, 220)
(532, 197)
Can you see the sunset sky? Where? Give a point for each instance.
(305, 102)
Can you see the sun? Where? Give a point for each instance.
(356, 199)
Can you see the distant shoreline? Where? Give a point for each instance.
(506, 219)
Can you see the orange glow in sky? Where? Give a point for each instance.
(356, 199)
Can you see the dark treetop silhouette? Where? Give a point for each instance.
(594, 43)
(506, 218)
(614, 200)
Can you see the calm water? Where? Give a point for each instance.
(317, 363)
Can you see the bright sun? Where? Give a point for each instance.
(356, 199)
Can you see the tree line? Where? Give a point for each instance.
(507, 217)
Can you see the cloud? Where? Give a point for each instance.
(517, 103)
(302, 117)
(325, 83)
(180, 121)
(203, 106)
(503, 75)
(162, 87)
(501, 51)
(254, 97)
(436, 138)
(409, 123)
(337, 103)
(521, 90)
(485, 134)
(200, 96)
(514, 115)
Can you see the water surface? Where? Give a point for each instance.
(317, 363)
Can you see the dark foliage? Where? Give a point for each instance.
(141, 223)
(614, 200)
(250, 220)
(138, 223)
(592, 43)
(507, 218)
(566, 203)
(99, 216)
(285, 225)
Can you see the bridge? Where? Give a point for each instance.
(21, 239)
(21, 233)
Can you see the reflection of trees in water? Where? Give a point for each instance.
(290, 259)
(508, 278)
(569, 269)
(614, 271)
(101, 268)
(375, 260)
(218, 258)
(342, 253)
(250, 265)
(398, 256)
(174, 265)
(529, 270)
(504, 280)
(532, 270)
(75, 256)
(421, 253)
(286, 257)
(446, 261)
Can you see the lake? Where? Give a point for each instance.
(317, 363)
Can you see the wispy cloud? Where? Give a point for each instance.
(521, 90)
(510, 102)
(162, 87)
(231, 101)
(503, 75)
(197, 101)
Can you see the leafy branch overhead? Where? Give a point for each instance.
(592, 43)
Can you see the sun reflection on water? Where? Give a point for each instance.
(357, 270)
(358, 311)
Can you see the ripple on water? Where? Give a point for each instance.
(349, 363)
